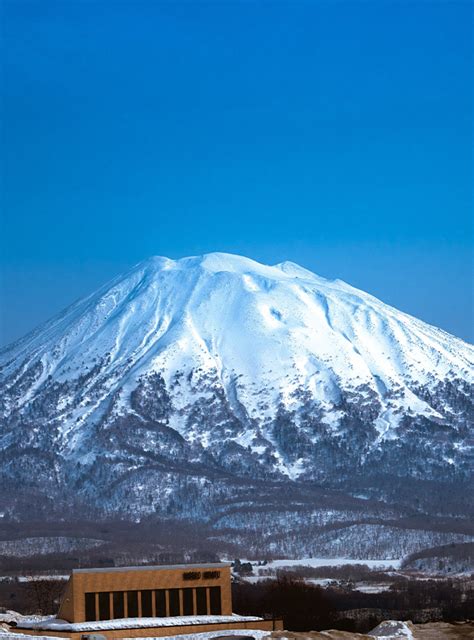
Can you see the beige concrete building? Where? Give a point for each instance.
(147, 592)
(130, 602)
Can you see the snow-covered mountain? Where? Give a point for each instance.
(185, 385)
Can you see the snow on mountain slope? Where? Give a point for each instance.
(221, 365)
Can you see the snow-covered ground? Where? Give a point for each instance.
(327, 562)
(42, 576)
(388, 630)
(393, 630)
(11, 635)
(13, 616)
(269, 570)
(258, 635)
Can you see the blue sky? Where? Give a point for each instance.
(334, 134)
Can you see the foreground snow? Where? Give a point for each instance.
(208, 635)
(387, 630)
(393, 630)
(9, 635)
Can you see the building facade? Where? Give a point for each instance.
(145, 602)
(147, 592)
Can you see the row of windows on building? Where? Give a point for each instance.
(146, 603)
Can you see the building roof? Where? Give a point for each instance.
(157, 567)
(56, 624)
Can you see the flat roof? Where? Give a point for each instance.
(55, 624)
(156, 567)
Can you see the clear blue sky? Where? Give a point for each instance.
(334, 134)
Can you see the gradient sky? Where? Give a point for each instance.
(335, 134)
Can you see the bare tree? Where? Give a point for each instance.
(44, 594)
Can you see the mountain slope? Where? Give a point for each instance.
(185, 385)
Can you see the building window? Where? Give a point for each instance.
(160, 603)
(215, 600)
(146, 604)
(104, 606)
(174, 602)
(119, 611)
(201, 601)
(132, 604)
(90, 606)
(188, 604)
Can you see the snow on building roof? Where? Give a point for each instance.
(56, 624)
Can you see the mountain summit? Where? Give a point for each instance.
(180, 382)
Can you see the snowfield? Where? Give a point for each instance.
(388, 630)
(328, 562)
